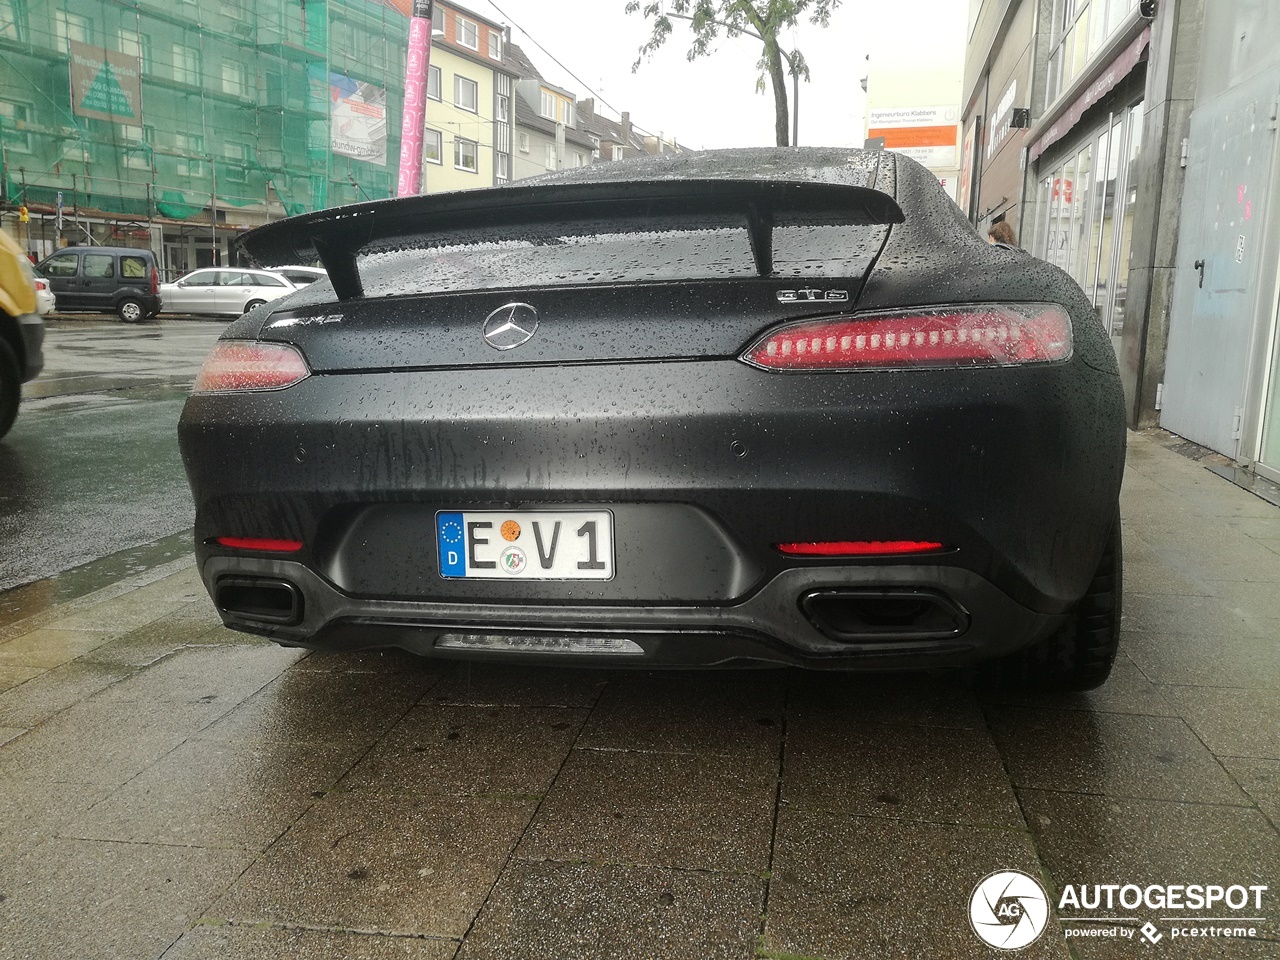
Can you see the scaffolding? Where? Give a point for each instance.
(159, 118)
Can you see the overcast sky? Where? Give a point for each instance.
(712, 102)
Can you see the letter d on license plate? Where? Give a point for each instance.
(526, 545)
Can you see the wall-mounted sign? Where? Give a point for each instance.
(929, 135)
(1005, 119)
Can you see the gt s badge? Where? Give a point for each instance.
(831, 296)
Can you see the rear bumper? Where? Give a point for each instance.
(775, 625)
(705, 466)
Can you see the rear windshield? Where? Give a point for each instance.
(589, 252)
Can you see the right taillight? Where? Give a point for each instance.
(155, 280)
(962, 336)
(236, 365)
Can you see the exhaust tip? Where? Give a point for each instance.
(884, 614)
(259, 599)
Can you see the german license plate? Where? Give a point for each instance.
(526, 545)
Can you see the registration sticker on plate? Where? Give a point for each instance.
(526, 545)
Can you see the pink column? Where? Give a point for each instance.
(415, 99)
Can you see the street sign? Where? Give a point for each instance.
(58, 220)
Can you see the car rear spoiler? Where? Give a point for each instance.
(336, 236)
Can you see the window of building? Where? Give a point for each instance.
(466, 94)
(547, 105)
(235, 78)
(137, 149)
(523, 141)
(504, 167)
(433, 83)
(550, 160)
(15, 118)
(71, 26)
(186, 64)
(432, 146)
(504, 109)
(617, 152)
(495, 45)
(578, 159)
(595, 148)
(467, 33)
(238, 155)
(1084, 211)
(190, 148)
(1081, 29)
(464, 155)
(566, 112)
(133, 44)
(13, 20)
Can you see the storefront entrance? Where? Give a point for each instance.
(1084, 208)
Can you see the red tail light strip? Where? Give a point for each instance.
(236, 365)
(858, 548)
(265, 544)
(981, 334)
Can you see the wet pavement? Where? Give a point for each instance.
(171, 789)
(92, 466)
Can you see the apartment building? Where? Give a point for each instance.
(178, 124)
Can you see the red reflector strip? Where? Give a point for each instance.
(260, 543)
(858, 548)
(981, 334)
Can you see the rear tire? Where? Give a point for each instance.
(1080, 655)
(10, 387)
(252, 304)
(130, 310)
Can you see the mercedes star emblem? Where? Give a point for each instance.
(510, 326)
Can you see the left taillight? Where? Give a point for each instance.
(240, 365)
(962, 336)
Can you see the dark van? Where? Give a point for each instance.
(121, 280)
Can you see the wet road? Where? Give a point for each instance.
(92, 465)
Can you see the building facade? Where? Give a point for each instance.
(1149, 172)
(547, 136)
(177, 124)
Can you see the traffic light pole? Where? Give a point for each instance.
(416, 64)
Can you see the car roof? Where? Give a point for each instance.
(135, 251)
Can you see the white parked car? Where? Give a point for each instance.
(46, 302)
(301, 276)
(229, 291)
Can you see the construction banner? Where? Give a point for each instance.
(105, 84)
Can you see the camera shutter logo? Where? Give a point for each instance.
(1008, 910)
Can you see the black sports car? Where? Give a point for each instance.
(778, 405)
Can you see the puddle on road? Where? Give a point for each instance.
(38, 596)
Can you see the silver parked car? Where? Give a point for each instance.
(223, 290)
(301, 276)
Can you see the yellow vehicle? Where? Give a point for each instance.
(21, 329)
